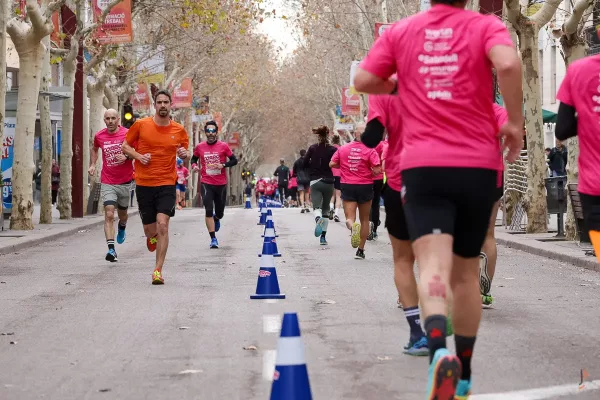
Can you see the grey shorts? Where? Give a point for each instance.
(302, 187)
(116, 195)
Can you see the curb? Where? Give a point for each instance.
(590, 263)
(52, 236)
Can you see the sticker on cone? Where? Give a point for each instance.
(290, 379)
(267, 285)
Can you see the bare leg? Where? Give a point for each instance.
(404, 276)
(363, 213)
(109, 217)
(466, 311)
(489, 246)
(162, 223)
(150, 230)
(123, 216)
(350, 213)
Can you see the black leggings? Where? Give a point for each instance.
(214, 194)
(375, 206)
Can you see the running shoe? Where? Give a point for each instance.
(214, 243)
(302, 211)
(151, 243)
(323, 241)
(217, 224)
(121, 235)
(444, 373)
(417, 348)
(487, 300)
(157, 278)
(371, 227)
(355, 237)
(336, 218)
(111, 255)
(319, 227)
(360, 254)
(485, 283)
(463, 390)
(375, 235)
(331, 214)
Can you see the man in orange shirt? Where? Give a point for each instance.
(155, 143)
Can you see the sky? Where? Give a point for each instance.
(278, 29)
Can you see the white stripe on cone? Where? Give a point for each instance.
(269, 218)
(290, 351)
(269, 232)
(267, 261)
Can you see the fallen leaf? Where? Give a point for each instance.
(68, 283)
(13, 342)
(250, 348)
(384, 358)
(190, 371)
(2, 282)
(7, 334)
(104, 390)
(181, 328)
(326, 302)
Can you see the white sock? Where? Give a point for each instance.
(325, 224)
(331, 206)
(337, 212)
(318, 213)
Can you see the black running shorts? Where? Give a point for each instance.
(357, 193)
(455, 201)
(337, 182)
(154, 200)
(591, 211)
(214, 198)
(395, 220)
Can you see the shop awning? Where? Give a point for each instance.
(547, 116)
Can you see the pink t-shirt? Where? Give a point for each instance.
(182, 175)
(356, 162)
(445, 82)
(501, 119)
(113, 171)
(293, 183)
(336, 171)
(212, 157)
(379, 151)
(387, 110)
(580, 89)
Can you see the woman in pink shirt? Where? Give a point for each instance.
(358, 165)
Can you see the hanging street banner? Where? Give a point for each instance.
(140, 100)
(380, 28)
(117, 27)
(234, 141)
(350, 102)
(10, 124)
(182, 95)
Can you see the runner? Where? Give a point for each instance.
(489, 252)
(578, 115)
(182, 176)
(259, 189)
(293, 191)
(376, 204)
(283, 176)
(316, 162)
(336, 142)
(155, 143)
(213, 155)
(443, 59)
(270, 189)
(303, 179)
(115, 179)
(357, 164)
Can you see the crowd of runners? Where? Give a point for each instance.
(432, 145)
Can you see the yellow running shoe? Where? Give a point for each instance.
(355, 238)
(157, 278)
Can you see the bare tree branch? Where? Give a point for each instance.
(545, 14)
(570, 25)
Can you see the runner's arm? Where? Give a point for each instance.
(232, 161)
(130, 151)
(93, 155)
(373, 133)
(566, 122)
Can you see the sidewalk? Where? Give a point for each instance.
(546, 245)
(13, 241)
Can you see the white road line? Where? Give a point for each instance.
(269, 357)
(271, 323)
(541, 393)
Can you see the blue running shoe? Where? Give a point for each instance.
(214, 243)
(463, 390)
(319, 226)
(444, 373)
(323, 241)
(417, 347)
(217, 224)
(111, 255)
(121, 235)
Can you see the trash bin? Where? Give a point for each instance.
(556, 194)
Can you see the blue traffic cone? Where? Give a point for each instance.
(270, 224)
(270, 244)
(290, 380)
(263, 216)
(267, 286)
(248, 203)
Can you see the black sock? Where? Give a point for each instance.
(464, 351)
(122, 226)
(413, 316)
(323, 234)
(435, 326)
(111, 244)
(212, 235)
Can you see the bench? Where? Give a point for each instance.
(584, 236)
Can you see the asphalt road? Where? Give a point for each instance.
(87, 329)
